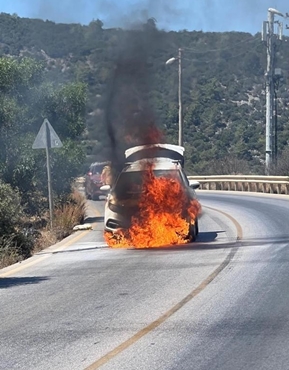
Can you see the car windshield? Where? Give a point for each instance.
(129, 184)
(96, 169)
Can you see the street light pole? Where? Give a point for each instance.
(181, 135)
(170, 61)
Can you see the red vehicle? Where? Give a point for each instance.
(93, 181)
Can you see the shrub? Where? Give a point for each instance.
(16, 241)
(10, 208)
(15, 247)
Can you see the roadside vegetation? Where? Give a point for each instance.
(26, 98)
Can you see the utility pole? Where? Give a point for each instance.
(276, 80)
(181, 135)
(271, 129)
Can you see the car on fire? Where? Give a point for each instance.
(123, 196)
(93, 180)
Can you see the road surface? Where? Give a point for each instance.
(219, 303)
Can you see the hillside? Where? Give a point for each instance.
(223, 86)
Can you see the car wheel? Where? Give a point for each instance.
(197, 226)
(95, 197)
(193, 231)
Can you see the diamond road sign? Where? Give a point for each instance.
(46, 137)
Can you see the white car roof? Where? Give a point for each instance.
(174, 148)
(158, 164)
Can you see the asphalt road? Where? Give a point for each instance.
(219, 303)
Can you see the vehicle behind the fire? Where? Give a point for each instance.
(147, 189)
(94, 181)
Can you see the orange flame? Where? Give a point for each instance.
(164, 215)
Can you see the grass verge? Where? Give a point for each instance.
(26, 241)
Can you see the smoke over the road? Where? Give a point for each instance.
(129, 117)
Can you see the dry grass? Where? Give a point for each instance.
(8, 259)
(66, 216)
(9, 252)
(69, 214)
(45, 240)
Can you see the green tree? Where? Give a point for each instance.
(26, 98)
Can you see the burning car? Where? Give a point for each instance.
(152, 202)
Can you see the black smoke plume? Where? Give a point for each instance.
(129, 116)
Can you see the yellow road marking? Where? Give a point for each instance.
(113, 353)
(22, 267)
(235, 222)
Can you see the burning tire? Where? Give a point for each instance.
(193, 231)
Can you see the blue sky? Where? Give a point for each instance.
(205, 15)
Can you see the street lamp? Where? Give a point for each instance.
(171, 61)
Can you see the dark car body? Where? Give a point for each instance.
(93, 180)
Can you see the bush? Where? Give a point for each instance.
(10, 208)
(16, 242)
(15, 247)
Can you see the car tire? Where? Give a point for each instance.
(95, 197)
(193, 231)
(197, 226)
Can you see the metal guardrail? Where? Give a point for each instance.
(251, 183)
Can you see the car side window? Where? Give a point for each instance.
(95, 170)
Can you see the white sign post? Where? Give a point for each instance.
(47, 138)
